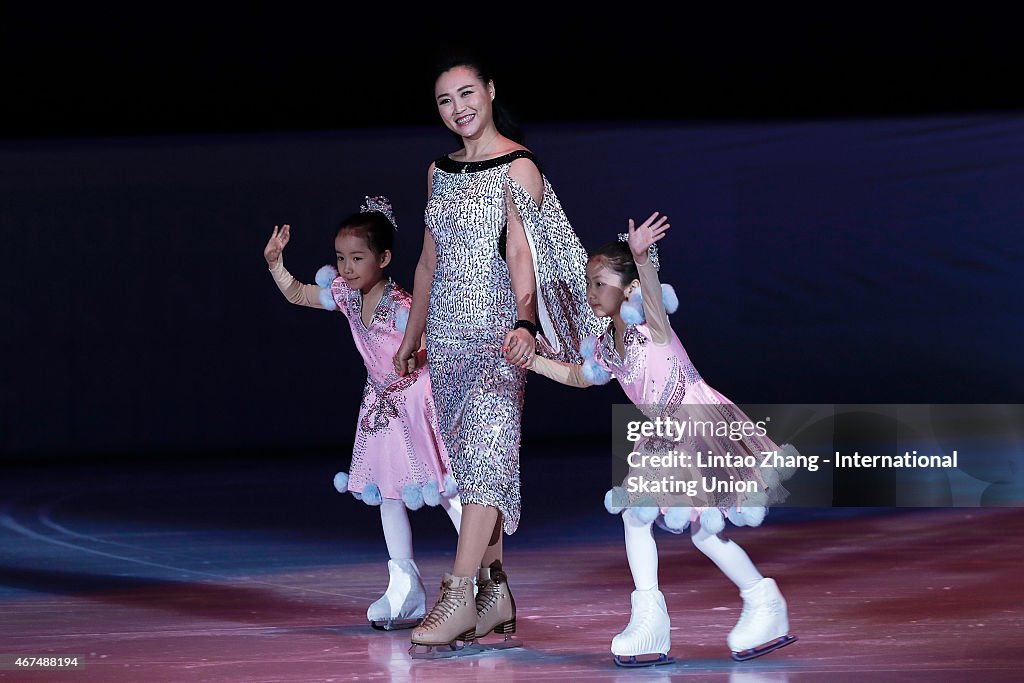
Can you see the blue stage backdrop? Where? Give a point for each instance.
(816, 262)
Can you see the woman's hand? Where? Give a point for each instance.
(519, 347)
(276, 244)
(643, 236)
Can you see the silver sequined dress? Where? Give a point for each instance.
(479, 396)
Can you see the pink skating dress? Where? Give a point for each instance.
(397, 446)
(658, 377)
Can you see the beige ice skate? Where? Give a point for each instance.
(495, 607)
(450, 626)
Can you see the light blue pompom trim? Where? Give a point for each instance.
(371, 495)
(412, 496)
(325, 276)
(431, 493)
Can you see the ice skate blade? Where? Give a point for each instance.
(470, 648)
(744, 655)
(636, 661)
(395, 624)
(443, 651)
(507, 644)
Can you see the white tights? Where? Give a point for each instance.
(394, 520)
(642, 554)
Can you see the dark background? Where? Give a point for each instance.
(845, 190)
(120, 68)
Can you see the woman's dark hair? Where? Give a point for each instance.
(620, 259)
(375, 228)
(503, 119)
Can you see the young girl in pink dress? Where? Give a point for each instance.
(398, 458)
(640, 350)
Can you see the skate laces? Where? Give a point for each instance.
(447, 603)
(488, 594)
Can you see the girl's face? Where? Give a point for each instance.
(361, 267)
(464, 101)
(605, 291)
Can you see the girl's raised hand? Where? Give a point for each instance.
(276, 244)
(647, 233)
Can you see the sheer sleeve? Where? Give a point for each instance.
(563, 373)
(654, 307)
(293, 290)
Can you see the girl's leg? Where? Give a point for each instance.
(730, 558)
(641, 552)
(764, 623)
(648, 630)
(394, 519)
(404, 602)
(453, 506)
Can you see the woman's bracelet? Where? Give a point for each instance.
(526, 325)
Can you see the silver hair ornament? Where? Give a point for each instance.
(382, 204)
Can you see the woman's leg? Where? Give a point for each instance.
(494, 547)
(475, 535)
(495, 607)
(454, 616)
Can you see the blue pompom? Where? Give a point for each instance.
(771, 477)
(754, 515)
(325, 276)
(341, 482)
(616, 500)
(678, 518)
(412, 496)
(431, 493)
(645, 510)
(669, 298)
(736, 517)
(589, 347)
(594, 373)
(755, 499)
(451, 487)
(401, 318)
(632, 309)
(712, 520)
(371, 494)
(327, 300)
(356, 495)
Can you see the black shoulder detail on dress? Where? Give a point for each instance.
(449, 165)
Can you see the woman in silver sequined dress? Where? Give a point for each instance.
(500, 264)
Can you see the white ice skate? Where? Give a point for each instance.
(646, 640)
(403, 603)
(763, 625)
